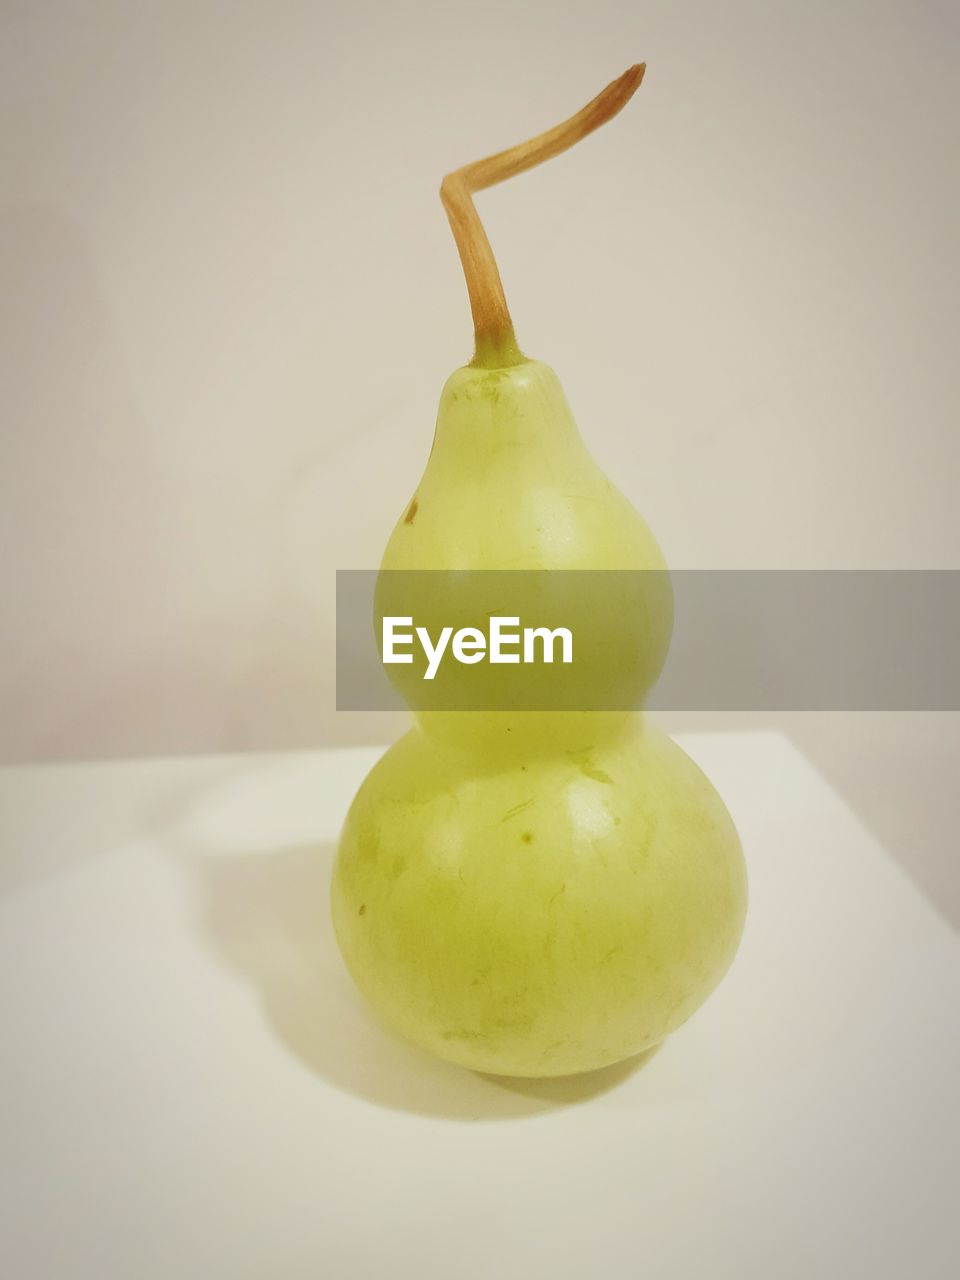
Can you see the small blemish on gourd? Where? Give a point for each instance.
(517, 808)
(582, 761)
(411, 512)
(363, 907)
(527, 837)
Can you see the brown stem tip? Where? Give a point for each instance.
(491, 318)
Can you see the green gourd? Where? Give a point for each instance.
(532, 893)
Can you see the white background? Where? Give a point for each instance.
(230, 299)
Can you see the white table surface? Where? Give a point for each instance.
(189, 1086)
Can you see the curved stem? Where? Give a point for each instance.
(496, 344)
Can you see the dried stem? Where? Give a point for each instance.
(493, 327)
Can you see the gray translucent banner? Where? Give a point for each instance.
(704, 640)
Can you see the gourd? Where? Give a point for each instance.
(533, 892)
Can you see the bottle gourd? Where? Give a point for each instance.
(532, 893)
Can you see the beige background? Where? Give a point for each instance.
(230, 299)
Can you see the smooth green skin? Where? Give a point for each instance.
(509, 484)
(544, 919)
(533, 894)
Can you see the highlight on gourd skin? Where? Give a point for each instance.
(532, 893)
